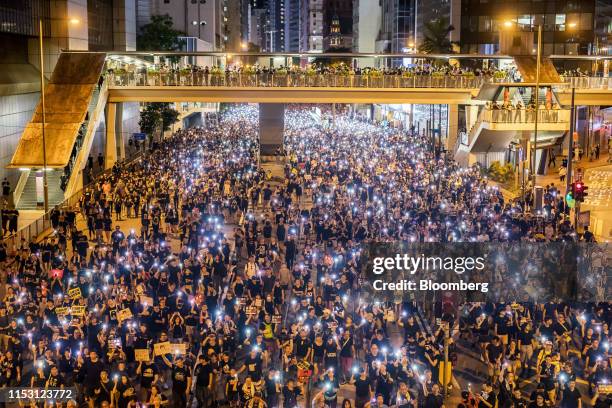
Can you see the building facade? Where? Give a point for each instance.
(311, 25)
(567, 25)
(603, 27)
(337, 24)
(293, 32)
(207, 20)
(97, 25)
(398, 25)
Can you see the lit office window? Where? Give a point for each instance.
(560, 22)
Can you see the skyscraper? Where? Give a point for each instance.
(311, 22)
(398, 25)
(567, 25)
(292, 25)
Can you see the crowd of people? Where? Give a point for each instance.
(242, 287)
(339, 74)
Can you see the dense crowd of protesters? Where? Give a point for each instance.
(242, 288)
(338, 74)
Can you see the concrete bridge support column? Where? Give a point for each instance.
(453, 126)
(271, 127)
(110, 150)
(119, 132)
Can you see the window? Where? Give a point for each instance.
(166, 1)
(586, 21)
(484, 24)
(524, 22)
(549, 22)
(560, 22)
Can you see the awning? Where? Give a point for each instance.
(67, 98)
(59, 140)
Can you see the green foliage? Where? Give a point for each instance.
(159, 35)
(333, 61)
(157, 114)
(437, 37)
(501, 173)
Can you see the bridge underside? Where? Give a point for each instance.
(586, 97)
(291, 95)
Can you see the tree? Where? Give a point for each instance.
(334, 61)
(437, 37)
(157, 114)
(159, 35)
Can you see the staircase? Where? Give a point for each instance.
(526, 96)
(27, 201)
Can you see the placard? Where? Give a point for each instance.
(62, 311)
(74, 293)
(251, 310)
(276, 319)
(77, 310)
(604, 388)
(142, 355)
(162, 348)
(124, 314)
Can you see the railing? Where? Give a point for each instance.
(518, 116)
(588, 82)
(79, 157)
(198, 78)
(511, 116)
(43, 223)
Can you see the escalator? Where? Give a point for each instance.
(72, 106)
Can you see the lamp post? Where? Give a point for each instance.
(534, 151)
(42, 105)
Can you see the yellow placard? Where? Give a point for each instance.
(124, 314)
(62, 311)
(77, 310)
(604, 388)
(74, 293)
(142, 355)
(162, 348)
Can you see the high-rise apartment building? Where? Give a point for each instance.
(311, 25)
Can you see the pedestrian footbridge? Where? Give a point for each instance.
(87, 90)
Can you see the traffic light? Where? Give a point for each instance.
(579, 191)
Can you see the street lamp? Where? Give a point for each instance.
(73, 21)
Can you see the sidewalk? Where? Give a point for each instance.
(552, 176)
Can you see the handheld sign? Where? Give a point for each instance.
(74, 293)
(159, 349)
(142, 355)
(77, 310)
(124, 314)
